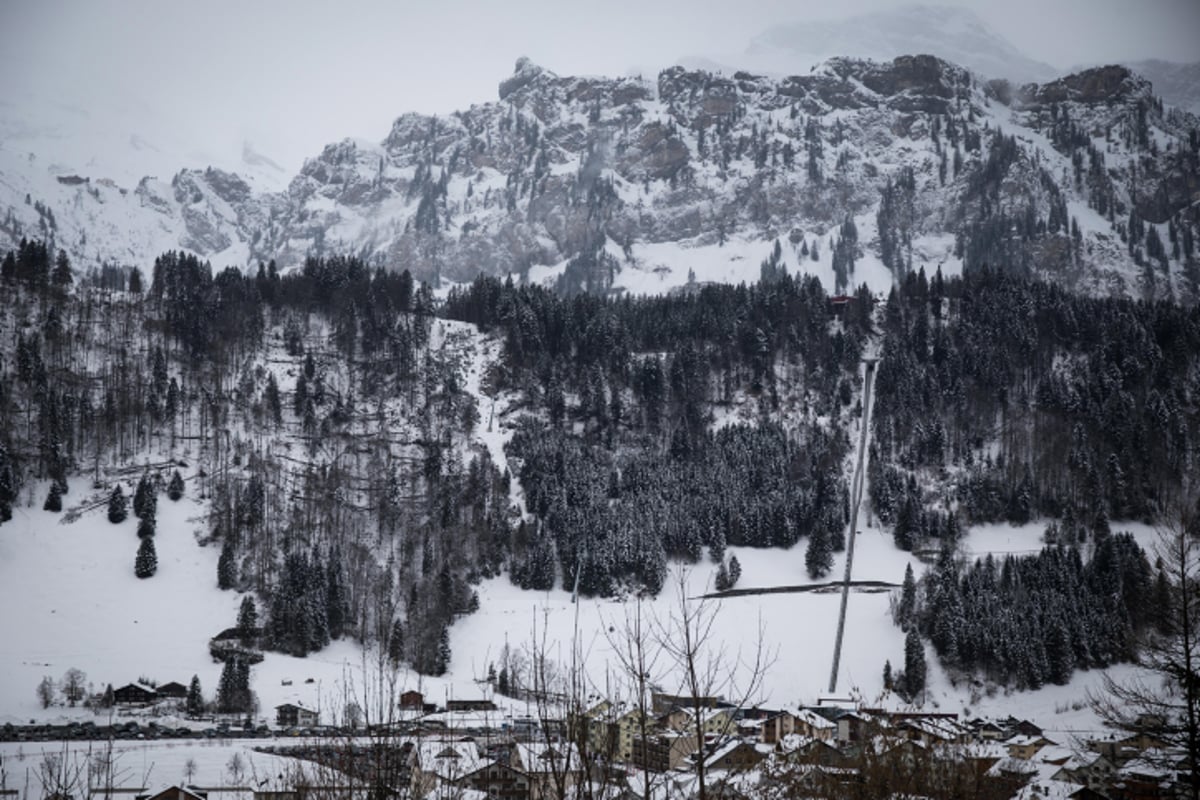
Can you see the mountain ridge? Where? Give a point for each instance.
(559, 169)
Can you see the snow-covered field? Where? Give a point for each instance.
(72, 600)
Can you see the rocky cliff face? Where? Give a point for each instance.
(563, 170)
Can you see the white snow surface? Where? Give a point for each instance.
(74, 601)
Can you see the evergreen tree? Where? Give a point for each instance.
(195, 698)
(442, 661)
(721, 583)
(272, 400)
(8, 485)
(117, 506)
(337, 603)
(146, 527)
(908, 598)
(914, 664)
(145, 498)
(227, 565)
(247, 620)
(818, 558)
(53, 498)
(735, 571)
(146, 563)
(396, 642)
(175, 487)
(887, 675)
(61, 277)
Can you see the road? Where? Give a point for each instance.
(856, 501)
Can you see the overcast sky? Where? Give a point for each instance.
(291, 75)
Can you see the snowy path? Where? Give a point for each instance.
(857, 500)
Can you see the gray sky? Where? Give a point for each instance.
(291, 75)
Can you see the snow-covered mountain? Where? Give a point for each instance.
(956, 34)
(636, 185)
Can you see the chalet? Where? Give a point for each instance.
(291, 715)
(1026, 747)
(498, 781)
(470, 705)
(817, 752)
(551, 770)
(443, 763)
(412, 700)
(807, 722)
(135, 694)
(734, 755)
(173, 690)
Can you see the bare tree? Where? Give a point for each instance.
(705, 668)
(638, 655)
(1164, 699)
(74, 682)
(45, 691)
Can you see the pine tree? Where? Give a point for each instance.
(175, 487)
(818, 558)
(396, 642)
(247, 620)
(8, 486)
(117, 506)
(145, 498)
(227, 688)
(887, 675)
(337, 605)
(721, 583)
(195, 698)
(272, 400)
(146, 527)
(914, 664)
(146, 563)
(53, 498)
(227, 566)
(908, 598)
(735, 571)
(442, 662)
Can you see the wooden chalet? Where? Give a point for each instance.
(135, 694)
(173, 690)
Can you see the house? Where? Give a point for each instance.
(443, 763)
(777, 726)
(291, 715)
(807, 722)
(630, 724)
(1026, 747)
(470, 705)
(734, 754)
(134, 694)
(173, 690)
(662, 752)
(817, 752)
(553, 770)
(499, 781)
(412, 700)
